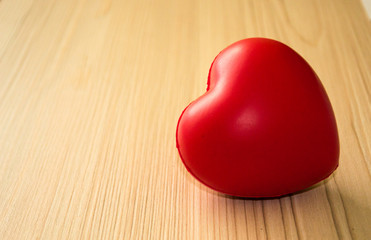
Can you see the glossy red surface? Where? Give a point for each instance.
(265, 126)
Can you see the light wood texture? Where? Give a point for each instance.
(91, 92)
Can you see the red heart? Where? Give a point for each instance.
(264, 128)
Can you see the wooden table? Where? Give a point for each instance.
(91, 92)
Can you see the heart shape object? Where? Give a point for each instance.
(264, 128)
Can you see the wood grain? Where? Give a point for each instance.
(90, 96)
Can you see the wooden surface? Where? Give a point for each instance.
(91, 92)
